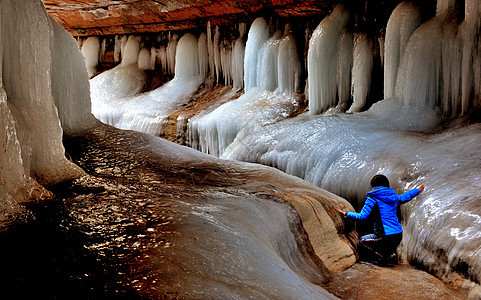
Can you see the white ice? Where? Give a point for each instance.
(121, 87)
(91, 52)
(43, 85)
(269, 95)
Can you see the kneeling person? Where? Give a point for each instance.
(382, 202)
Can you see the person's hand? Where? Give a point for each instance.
(342, 212)
(421, 188)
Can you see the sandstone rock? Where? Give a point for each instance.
(106, 17)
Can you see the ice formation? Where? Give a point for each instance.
(50, 89)
(432, 71)
(288, 65)
(130, 52)
(405, 18)
(361, 71)
(268, 98)
(91, 52)
(322, 60)
(146, 112)
(258, 35)
(145, 61)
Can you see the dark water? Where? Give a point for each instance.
(66, 248)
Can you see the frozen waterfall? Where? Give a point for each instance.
(271, 77)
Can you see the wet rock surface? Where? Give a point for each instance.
(368, 281)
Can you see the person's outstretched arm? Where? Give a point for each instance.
(405, 197)
(365, 211)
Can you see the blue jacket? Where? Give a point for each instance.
(387, 201)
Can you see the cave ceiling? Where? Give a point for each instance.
(107, 17)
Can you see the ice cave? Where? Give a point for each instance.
(203, 149)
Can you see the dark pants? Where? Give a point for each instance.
(379, 249)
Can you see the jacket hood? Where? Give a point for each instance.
(383, 193)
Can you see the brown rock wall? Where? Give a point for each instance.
(106, 17)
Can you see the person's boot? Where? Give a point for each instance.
(392, 259)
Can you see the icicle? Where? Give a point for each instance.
(163, 59)
(91, 52)
(203, 55)
(171, 53)
(451, 54)
(258, 34)
(471, 54)
(288, 64)
(344, 67)
(118, 41)
(210, 49)
(405, 18)
(238, 63)
(381, 41)
(144, 59)
(217, 62)
(123, 42)
(130, 54)
(154, 58)
(103, 48)
(322, 59)
(226, 62)
(361, 71)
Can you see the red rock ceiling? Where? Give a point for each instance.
(105, 17)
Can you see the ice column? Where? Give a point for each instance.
(171, 49)
(91, 52)
(344, 69)
(203, 54)
(70, 84)
(322, 60)
(433, 71)
(361, 71)
(31, 133)
(238, 53)
(288, 65)
(117, 47)
(258, 34)
(471, 53)
(130, 53)
(267, 67)
(405, 18)
(145, 61)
